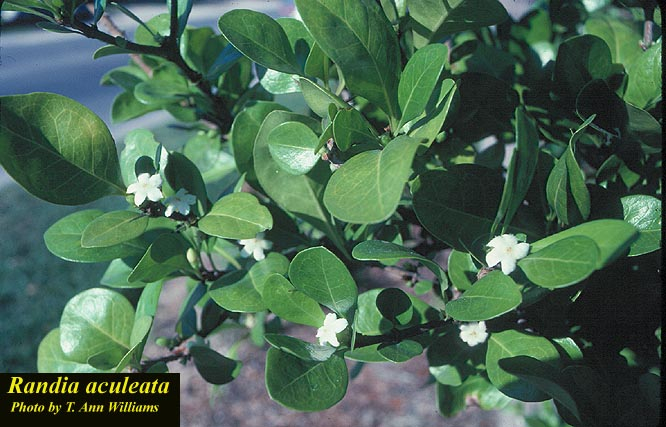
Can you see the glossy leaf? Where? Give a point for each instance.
(645, 75)
(96, 322)
(580, 60)
(298, 194)
(212, 366)
(236, 216)
(117, 274)
(301, 349)
(457, 205)
(401, 351)
(292, 145)
(138, 143)
(236, 292)
(452, 400)
(418, 80)
(395, 305)
(563, 263)
(319, 274)
(113, 228)
(490, 297)
(368, 320)
(363, 45)
(350, 127)
(462, 270)
(273, 263)
(244, 131)
(644, 213)
(378, 250)
(260, 38)
(181, 172)
(63, 239)
(367, 188)
(57, 149)
(437, 111)
(305, 385)
(521, 168)
(434, 19)
(51, 359)
(165, 255)
(619, 36)
(510, 343)
(611, 236)
(318, 98)
(290, 304)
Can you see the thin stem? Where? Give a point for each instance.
(147, 364)
(398, 335)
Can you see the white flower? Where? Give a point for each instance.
(255, 247)
(506, 250)
(146, 187)
(332, 326)
(179, 202)
(473, 333)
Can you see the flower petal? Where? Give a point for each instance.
(494, 257)
(508, 265)
(521, 250)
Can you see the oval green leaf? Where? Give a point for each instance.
(367, 188)
(63, 239)
(113, 228)
(350, 127)
(236, 292)
(236, 216)
(292, 145)
(96, 321)
(493, 295)
(212, 366)
(511, 343)
(563, 263)
(644, 213)
(305, 385)
(164, 256)
(51, 359)
(57, 149)
(301, 349)
(318, 273)
(292, 305)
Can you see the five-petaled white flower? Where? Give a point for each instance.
(179, 202)
(506, 250)
(255, 247)
(329, 330)
(473, 333)
(146, 187)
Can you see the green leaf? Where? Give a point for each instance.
(305, 385)
(51, 359)
(511, 343)
(117, 274)
(350, 127)
(110, 50)
(521, 169)
(273, 263)
(357, 36)
(57, 149)
(395, 305)
(437, 111)
(580, 60)
(301, 349)
(292, 145)
(260, 38)
(611, 236)
(63, 239)
(434, 19)
(619, 36)
(563, 263)
(292, 305)
(244, 131)
(457, 205)
(644, 86)
(184, 7)
(95, 322)
(367, 188)
(318, 98)
(419, 79)
(212, 366)
(298, 194)
(462, 270)
(401, 351)
(236, 292)
(113, 228)
(490, 297)
(452, 400)
(138, 143)
(544, 377)
(566, 191)
(318, 273)
(378, 250)
(126, 107)
(279, 83)
(181, 172)
(644, 213)
(165, 255)
(236, 216)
